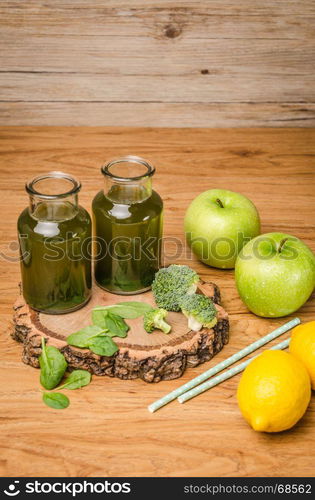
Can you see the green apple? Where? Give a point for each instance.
(218, 223)
(275, 274)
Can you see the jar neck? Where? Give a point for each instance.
(53, 210)
(53, 197)
(128, 180)
(128, 193)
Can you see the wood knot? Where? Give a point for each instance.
(204, 72)
(172, 30)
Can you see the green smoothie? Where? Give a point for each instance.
(128, 228)
(55, 240)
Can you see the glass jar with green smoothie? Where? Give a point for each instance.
(128, 218)
(55, 238)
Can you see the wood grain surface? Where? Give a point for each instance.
(107, 430)
(151, 63)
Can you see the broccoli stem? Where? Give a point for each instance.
(162, 325)
(193, 324)
(192, 289)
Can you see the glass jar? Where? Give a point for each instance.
(55, 238)
(128, 218)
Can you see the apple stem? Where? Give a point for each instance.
(281, 244)
(219, 202)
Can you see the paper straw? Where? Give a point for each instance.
(225, 375)
(221, 366)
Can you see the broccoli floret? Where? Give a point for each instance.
(171, 283)
(154, 319)
(199, 310)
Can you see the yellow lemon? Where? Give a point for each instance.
(302, 346)
(274, 391)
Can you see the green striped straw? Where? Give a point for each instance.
(221, 366)
(225, 375)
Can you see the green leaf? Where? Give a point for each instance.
(85, 335)
(56, 400)
(104, 346)
(76, 379)
(117, 326)
(127, 310)
(140, 307)
(114, 324)
(99, 317)
(52, 366)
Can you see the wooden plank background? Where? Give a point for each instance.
(217, 63)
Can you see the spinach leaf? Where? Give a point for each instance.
(85, 335)
(139, 308)
(52, 366)
(76, 379)
(99, 317)
(56, 400)
(115, 325)
(104, 346)
(127, 310)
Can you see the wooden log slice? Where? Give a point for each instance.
(151, 357)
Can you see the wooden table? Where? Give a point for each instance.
(107, 430)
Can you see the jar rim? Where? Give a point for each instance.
(30, 185)
(105, 169)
